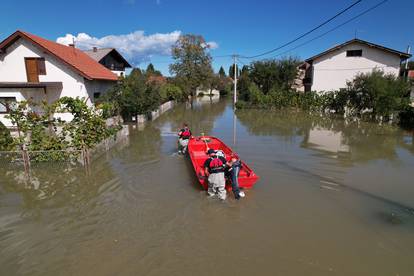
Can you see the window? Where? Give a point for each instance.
(41, 66)
(6, 103)
(354, 53)
(34, 68)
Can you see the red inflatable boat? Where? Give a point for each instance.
(197, 148)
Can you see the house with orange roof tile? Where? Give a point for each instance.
(37, 69)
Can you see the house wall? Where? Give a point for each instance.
(97, 86)
(119, 73)
(12, 69)
(333, 70)
(112, 63)
(20, 95)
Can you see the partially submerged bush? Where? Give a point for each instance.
(51, 137)
(373, 95)
(6, 141)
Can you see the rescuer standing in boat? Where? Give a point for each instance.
(184, 136)
(214, 168)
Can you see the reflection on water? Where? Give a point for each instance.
(327, 140)
(332, 193)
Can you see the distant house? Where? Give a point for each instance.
(33, 68)
(110, 58)
(331, 69)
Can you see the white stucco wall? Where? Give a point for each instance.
(333, 70)
(118, 73)
(97, 86)
(12, 69)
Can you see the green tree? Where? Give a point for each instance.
(150, 71)
(231, 71)
(222, 73)
(244, 84)
(274, 73)
(170, 91)
(378, 93)
(134, 96)
(192, 63)
(136, 71)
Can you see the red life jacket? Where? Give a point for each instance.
(185, 133)
(216, 165)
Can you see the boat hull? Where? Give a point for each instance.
(197, 148)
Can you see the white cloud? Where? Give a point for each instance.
(137, 47)
(212, 45)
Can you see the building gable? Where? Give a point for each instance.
(353, 42)
(72, 57)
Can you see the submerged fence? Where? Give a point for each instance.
(27, 158)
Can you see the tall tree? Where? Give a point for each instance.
(151, 71)
(231, 71)
(270, 74)
(222, 73)
(136, 71)
(192, 63)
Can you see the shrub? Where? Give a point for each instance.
(6, 141)
(269, 74)
(241, 104)
(108, 109)
(171, 91)
(378, 93)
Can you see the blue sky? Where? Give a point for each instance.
(145, 29)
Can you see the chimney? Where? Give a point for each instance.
(95, 49)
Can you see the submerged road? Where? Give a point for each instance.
(334, 198)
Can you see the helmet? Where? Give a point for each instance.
(211, 151)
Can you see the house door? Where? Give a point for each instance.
(31, 70)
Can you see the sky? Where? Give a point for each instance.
(145, 30)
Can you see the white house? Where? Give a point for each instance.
(331, 69)
(33, 68)
(111, 59)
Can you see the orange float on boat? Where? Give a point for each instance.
(197, 149)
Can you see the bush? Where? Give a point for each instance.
(6, 141)
(108, 109)
(269, 74)
(378, 93)
(407, 117)
(170, 92)
(241, 104)
(43, 132)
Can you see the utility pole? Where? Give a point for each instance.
(406, 61)
(235, 81)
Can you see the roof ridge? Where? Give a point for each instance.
(74, 57)
(336, 47)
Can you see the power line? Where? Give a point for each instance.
(305, 34)
(333, 29)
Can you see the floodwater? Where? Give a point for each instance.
(334, 198)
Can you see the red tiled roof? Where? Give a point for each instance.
(74, 58)
(411, 74)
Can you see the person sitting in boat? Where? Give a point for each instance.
(183, 137)
(235, 166)
(214, 168)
